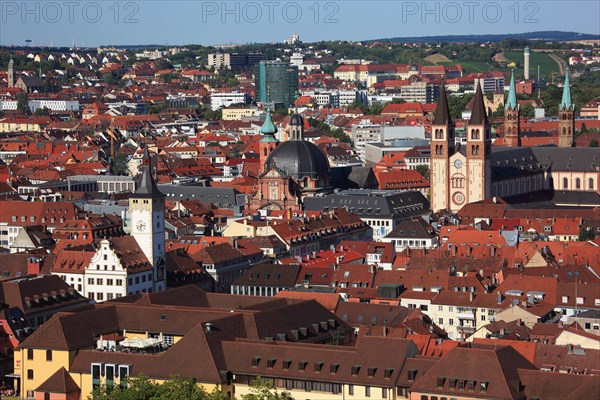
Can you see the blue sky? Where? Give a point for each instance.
(102, 22)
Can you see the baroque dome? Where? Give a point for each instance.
(298, 159)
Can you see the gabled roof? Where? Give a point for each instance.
(59, 382)
(498, 367)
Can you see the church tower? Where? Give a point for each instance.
(512, 124)
(11, 73)
(268, 142)
(296, 127)
(147, 211)
(479, 149)
(566, 117)
(442, 148)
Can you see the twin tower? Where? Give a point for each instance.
(463, 174)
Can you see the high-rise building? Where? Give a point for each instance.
(234, 60)
(276, 82)
(526, 63)
(11, 73)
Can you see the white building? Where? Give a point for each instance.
(34, 105)
(220, 100)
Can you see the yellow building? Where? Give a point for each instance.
(179, 332)
(237, 113)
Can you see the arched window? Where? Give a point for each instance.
(577, 183)
(591, 183)
(565, 183)
(564, 131)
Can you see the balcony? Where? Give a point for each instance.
(470, 315)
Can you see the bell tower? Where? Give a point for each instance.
(268, 142)
(479, 149)
(442, 148)
(147, 211)
(512, 124)
(566, 117)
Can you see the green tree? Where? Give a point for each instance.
(527, 111)
(119, 166)
(584, 128)
(586, 233)
(423, 170)
(457, 104)
(142, 388)
(264, 389)
(398, 101)
(594, 143)
(23, 104)
(42, 111)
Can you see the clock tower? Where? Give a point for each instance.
(147, 211)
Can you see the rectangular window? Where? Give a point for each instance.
(351, 390)
(90, 281)
(30, 354)
(48, 355)
(30, 374)
(367, 391)
(100, 281)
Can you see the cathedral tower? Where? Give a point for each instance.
(566, 117)
(442, 148)
(479, 149)
(512, 125)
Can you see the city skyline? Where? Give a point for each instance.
(210, 23)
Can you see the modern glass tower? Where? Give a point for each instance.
(276, 82)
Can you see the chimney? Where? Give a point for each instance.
(34, 266)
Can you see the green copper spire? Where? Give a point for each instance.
(268, 129)
(566, 97)
(512, 103)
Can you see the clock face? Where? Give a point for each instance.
(458, 198)
(141, 226)
(458, 164)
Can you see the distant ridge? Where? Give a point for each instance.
(547, 36)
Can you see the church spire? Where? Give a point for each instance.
(512, 103)
(268, 129)
(478, 113)
(442, 112)
(566, 102)
(147, 186)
